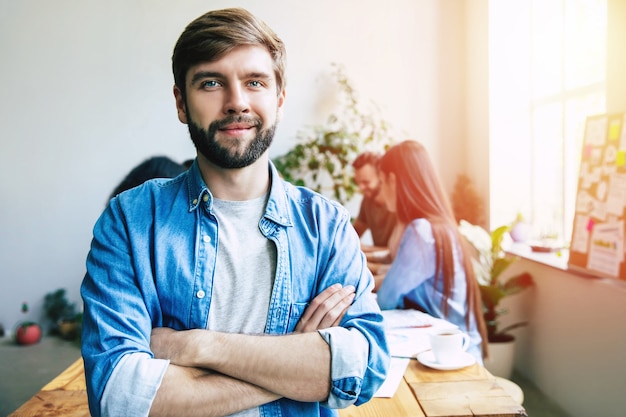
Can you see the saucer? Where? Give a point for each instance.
(428, 359)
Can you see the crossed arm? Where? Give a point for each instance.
(213, 374)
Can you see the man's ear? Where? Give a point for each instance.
(181, 108)
(281, 102)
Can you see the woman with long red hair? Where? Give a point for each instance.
(432, 270)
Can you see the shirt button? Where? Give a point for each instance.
(205, 198)
(195, 201)
(206, 238)
(200, 294)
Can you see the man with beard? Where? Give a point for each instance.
(227, 291)
(373, 214)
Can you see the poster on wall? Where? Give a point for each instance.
(597, 244)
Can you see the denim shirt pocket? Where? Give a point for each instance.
(295, 312)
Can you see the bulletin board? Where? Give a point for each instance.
(597, 245)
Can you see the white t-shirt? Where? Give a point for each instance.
(244, 271)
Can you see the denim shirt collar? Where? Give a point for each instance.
(276, 209)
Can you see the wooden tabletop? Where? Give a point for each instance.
(424, 392)
(427, 392)
(65, 395)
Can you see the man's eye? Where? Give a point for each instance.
(255, 84)
(209, 84)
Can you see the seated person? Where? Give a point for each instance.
(373, 214)
(379, 259)
(154, 167)
(432, 270)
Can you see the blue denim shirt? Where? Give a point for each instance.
(151, 265)
(411, 280)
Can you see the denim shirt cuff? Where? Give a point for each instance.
(132, 385)
(349, 355)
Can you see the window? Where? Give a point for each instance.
(547, 74)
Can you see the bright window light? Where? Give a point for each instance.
(546, 75)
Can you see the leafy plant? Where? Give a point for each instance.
(26, 323)
(58, 308)
(322, 158)
(492, 262)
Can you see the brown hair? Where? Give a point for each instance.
(421, 195)
(366, 158)
(217, 32)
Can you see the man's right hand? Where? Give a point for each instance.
(326, 309)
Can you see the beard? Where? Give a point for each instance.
(231, 157)
(372, 194)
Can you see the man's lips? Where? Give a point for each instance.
(236, 130)
(237, 126)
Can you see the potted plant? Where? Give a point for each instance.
(492, 261)
(27, 332)
(65, 321)
(322, 158)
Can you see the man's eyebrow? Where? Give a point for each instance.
(201, 75)
(262, 75)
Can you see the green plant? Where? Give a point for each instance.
(26, 323)
(323, 155)
(491, 263)
(58, 309)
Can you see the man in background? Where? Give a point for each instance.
(373, 214)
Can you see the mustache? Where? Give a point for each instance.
(252, 121)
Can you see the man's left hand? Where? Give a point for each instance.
(327, 309)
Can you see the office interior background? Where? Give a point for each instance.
(495, 89)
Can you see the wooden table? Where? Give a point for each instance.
(65, 395)
(424, 392)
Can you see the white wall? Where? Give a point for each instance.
(616, 58)
(86, 95)
(476, 135)
(573, 348)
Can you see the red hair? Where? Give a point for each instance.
(420, 195)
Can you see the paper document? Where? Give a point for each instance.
(397, 368)
(412, 319)
(407, 331)
(407, 335)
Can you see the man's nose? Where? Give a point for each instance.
(236, 101)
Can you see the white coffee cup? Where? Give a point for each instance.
(448, 345)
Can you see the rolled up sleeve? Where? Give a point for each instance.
(132, 386)
(349, 359)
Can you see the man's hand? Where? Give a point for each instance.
(167, 343)
(250, 363)
(327, 309)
